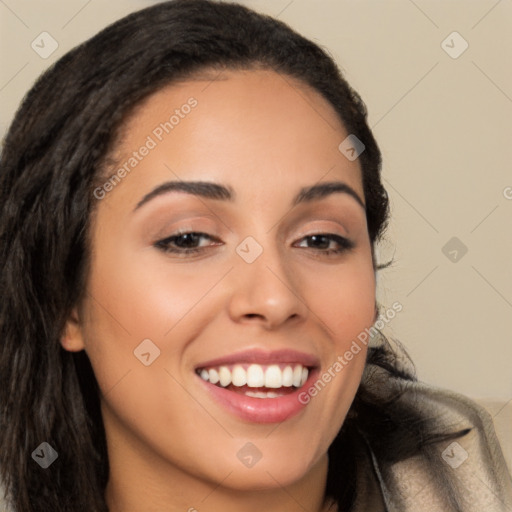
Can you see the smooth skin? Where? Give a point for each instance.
(170, 446)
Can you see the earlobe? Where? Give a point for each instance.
(72, 336)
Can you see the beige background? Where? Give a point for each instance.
(444, 126)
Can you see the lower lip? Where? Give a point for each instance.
(260, 410)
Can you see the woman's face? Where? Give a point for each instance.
(261, 297)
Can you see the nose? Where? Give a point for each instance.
(266, 291)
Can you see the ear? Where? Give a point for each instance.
(72, 337)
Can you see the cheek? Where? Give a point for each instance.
(137, 297)
(345, 302)
(344, 299)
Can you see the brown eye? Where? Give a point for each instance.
(183, 242)
(325, 239)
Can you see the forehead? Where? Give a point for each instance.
(249, 128)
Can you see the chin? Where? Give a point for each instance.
(268, 473)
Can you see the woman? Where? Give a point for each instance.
(190, 205)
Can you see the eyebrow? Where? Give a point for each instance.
(210, 190)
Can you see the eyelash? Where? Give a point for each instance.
(165, 244)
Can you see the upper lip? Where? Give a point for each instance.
(261, 356)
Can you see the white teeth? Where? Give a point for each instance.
(304, 376)
(214, 376)
(238, 376)
(273, 377)
(297, 376)
(257, 376)
(225, 376)
(287, 377)
(261, 394)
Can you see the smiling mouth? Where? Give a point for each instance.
(257, 380)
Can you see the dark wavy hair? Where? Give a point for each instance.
(52, 155)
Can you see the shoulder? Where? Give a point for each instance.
(468, 471)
